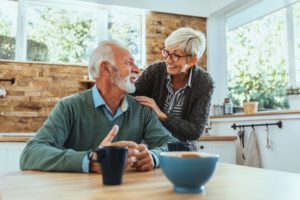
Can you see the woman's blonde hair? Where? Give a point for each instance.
(190, 41)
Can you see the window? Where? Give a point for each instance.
(258, 55)
(66, 32)
(8, 29)
(127, 29)
(60, 34)
(296, 19)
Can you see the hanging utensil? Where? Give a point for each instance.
(241, 135)
(268, 145)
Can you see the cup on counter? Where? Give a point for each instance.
(182, 146)
(113, 162)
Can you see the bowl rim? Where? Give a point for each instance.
(178, 154)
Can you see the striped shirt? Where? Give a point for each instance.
(174, 101)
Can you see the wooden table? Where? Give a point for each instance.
(230, 182)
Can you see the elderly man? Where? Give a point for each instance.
(103, 115)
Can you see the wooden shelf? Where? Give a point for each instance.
(88, 83)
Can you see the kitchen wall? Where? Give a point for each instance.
(36, 90)
(160, 25)
(39, 86)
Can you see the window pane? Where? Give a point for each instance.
(296, 11)
(127, 29)
(59, 34)
(258, 62)
(8, 29)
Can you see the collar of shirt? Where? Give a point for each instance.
(99, 102)
(189, 83)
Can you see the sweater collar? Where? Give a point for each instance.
(189, 83)
(99, 101)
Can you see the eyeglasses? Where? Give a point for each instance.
(174, 58)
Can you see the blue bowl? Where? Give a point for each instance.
(188, 171)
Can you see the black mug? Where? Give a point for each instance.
(181, 146)
(113, 162)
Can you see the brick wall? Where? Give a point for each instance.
(39, 86)
(36, 90)
(160, 25)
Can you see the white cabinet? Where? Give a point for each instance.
(10, 153)
(225, 149)
(285, 148)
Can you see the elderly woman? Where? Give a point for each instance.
(177, 89)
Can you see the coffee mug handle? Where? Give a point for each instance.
(90, 154)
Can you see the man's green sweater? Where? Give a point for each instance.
(75, 126)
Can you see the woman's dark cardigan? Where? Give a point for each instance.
(152, 83)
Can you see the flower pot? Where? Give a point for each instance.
(294, 102)
(250, 107)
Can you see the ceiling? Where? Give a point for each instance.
(201, 8)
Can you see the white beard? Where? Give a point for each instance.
(124, 83)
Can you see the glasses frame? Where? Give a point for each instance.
(172, 58)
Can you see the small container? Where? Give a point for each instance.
(218, 110)
(228, 108)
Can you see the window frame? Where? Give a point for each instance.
(238, 13)
(102, 11)
(290, 39)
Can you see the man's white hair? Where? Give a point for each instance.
(102, 53)
(188, 40)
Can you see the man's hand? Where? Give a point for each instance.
(107, 141)
(146, 101)
(144, 159)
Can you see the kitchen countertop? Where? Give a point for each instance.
(261, 113)
(15, 137)
(23, 137)
(218, 138)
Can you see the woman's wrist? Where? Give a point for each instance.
(162, 116)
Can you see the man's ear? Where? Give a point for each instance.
(104, 68)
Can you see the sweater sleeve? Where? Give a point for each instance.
(192, 127)
(156, 135)
(46, 152)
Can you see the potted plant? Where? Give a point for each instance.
(293, 94)
(268, 88)
(250, 104)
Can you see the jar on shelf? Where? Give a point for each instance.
(228, 108)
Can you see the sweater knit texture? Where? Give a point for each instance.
(75, 126)
(152, 83)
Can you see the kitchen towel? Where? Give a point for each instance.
(250, 151)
